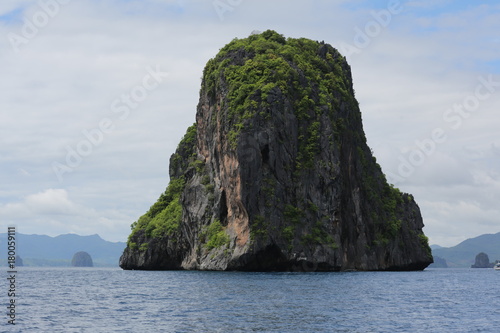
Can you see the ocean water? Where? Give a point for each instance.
(112, 300)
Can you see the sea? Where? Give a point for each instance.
(114, 300)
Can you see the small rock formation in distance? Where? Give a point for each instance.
(439, 263)
(19, 261)
(276, 175)
(482, 261)
(82, 259)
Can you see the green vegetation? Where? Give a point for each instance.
(164, 216)
(205, 180)
(392, 199)
(232, 138)
(198, 165)
(288, 233)
(215, 236)
(424, 242)
(293, 214)
(380, 240)
(189, 138)
(172, 192)
(187, 148)
(268, 188)
(388, 222)
(318, 236)
(313, 74)
(210, 188)
(259, 227)
(312, 207)
(167, 222)
(309, 147)
(386, 199)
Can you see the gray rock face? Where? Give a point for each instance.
(278, 176)
(82, 259)
(482, 261)
(439, 263)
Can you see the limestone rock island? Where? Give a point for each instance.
(82, 259)
(276, 175)
(482, 261)
(19, 261)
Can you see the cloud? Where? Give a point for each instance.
(53, 212)
(48, 202)
(459, 220)
(51, 202)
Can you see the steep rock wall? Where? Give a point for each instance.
(276, 174)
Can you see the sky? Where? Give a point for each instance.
(95, 96)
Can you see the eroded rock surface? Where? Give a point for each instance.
(276, 174)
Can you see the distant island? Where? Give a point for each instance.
(482, 261)
(464, 254)
(82, 259)
(42, 250)
(19, 261)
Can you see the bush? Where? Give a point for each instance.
(293, 214)
(215, 236)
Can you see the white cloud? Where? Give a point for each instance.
(51, 201)
(53, 212)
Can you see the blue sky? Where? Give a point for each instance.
(12, 17)
(417, 72)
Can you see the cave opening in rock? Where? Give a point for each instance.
(265, 154)
(223, 208)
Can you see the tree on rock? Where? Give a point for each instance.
(82, 259)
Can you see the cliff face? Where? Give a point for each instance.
(276, 174)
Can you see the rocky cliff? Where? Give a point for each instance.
(276, 174)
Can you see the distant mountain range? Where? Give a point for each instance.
(464, 254)
(42, 250)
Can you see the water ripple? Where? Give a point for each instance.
(112, 300)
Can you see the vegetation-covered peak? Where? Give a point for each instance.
(311, 75)
(263, 61)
